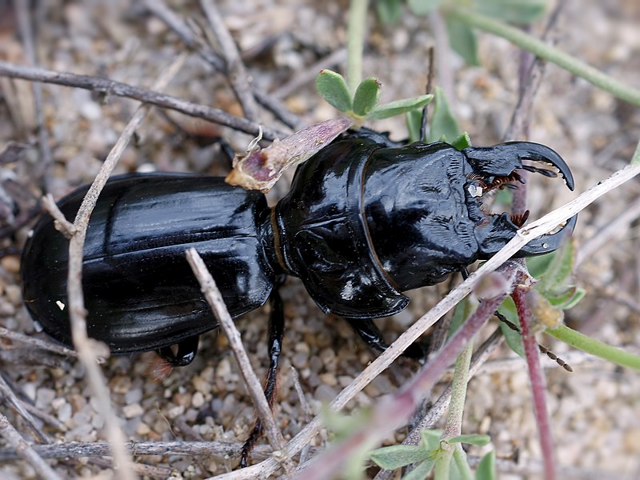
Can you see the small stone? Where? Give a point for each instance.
(197, 400)
(44, 397)
(328, 379)
(14, 294)
(132, 410)
(143, 429)
(64, 413)
(133, 396)
(631, 441)
(175, 412)
(325, 393)
(11, 263)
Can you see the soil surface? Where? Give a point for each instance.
(595, 411)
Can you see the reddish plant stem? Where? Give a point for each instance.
(538, 385)
(395, 411)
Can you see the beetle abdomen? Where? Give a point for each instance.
(139, 289)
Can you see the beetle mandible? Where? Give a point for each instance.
(365, 220)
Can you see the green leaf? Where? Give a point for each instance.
(475, 439)
(595, 347)
(462, 142)
(487, 467)
(443, 123)
(635, 160)
(332, 87)
(413, 118)
(578, 295)
(366, 96)
(559, 270)
(423, 7)
(399, 107)
(463, 40)
(521, 12)
(460, 466)
(389, 11)
(343, 425)
(421, 471)
(398, 456)
(539, 265)
(431, 438)
(559, 298)
(513, 338)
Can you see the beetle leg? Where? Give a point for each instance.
(372, 336)
(276, 333)
(187, 350)
(502, 160)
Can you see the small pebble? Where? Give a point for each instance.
(132, 410)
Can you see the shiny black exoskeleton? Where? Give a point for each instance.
(365, 220)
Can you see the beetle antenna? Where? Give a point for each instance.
(544, 350)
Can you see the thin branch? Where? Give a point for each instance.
(305, 408)
(525, 235)
(26, 451)
(37, 342)
(63, 225)
(357, 24)
(310, 73)
(87, 348)
(235, 69)
(538, 384)
(119, 89)
(180, 28)
(15, 402)
(26, 32)
(216, 302)
(612, 230)
(530, 81)
(103, 449)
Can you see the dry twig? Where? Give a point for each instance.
(179, 27)
(37, 342)
(110, 87)
(87, 348)
(234, 67)
(25, 450)
(216, 302)
(26, 32)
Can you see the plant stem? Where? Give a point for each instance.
(542, 50)
(453, 426)
(538, 386)
(595, 347)
(355, 42)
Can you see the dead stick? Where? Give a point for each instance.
(25, 450)
(214, 298)
(88, 349)
(26, 32)
(36, 342)
(180, 28)
(119, 89)
(236, 72)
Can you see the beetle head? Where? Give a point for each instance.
(495, 167)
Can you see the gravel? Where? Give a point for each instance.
(595, 411)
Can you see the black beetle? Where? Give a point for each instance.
(365, 220)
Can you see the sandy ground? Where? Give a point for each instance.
(595, 411)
